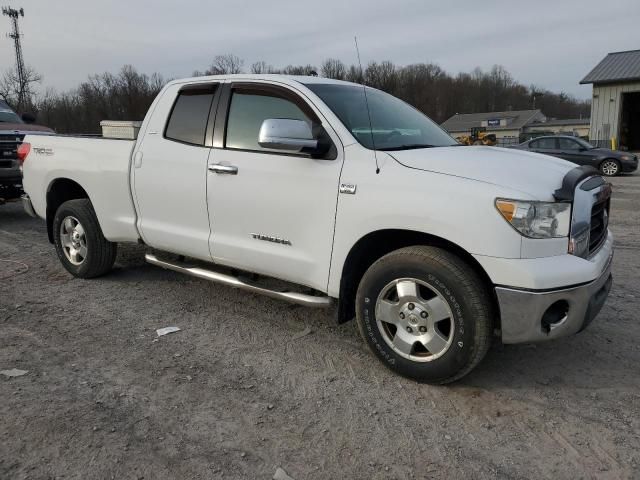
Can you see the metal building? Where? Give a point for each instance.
(615, 108)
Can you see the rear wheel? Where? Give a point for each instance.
(425, 313)
(610, 167)
(79, 241)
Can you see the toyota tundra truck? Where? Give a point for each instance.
(349, 197)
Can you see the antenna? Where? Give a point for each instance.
(366, 101)
(14, 14)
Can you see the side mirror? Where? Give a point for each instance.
(287, 134)
(28, 118)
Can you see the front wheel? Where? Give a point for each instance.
(425, 313)
(79, 241)
(610, 167)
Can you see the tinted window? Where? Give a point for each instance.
(380, 120)
(249, 110)
(188, 120)
(568, 144)
(543, 144)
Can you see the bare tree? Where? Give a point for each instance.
(225, 64)
(12, 89)
(300, 70)
(262, 67)
(127, 94)
(333, 68)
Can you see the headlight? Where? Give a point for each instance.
(536, 219)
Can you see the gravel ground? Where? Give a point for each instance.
(244, 388)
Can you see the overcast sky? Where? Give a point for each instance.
(552, 44)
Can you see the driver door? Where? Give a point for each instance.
(271, 212)
(573, 151)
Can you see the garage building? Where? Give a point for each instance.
(615, 108)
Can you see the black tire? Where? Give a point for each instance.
(610, 165)
(451, 280)
(100, 253)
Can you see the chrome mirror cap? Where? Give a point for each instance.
(286, 134)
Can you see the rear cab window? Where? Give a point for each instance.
(190, 114)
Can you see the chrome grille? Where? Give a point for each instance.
(599, 224)
(589, 217)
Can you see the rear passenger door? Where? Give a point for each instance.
(170, 171)
(546, 145)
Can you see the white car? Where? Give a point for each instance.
(434, 248)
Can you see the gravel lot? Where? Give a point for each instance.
(239, 391)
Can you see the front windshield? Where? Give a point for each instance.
(394, 125)
(7, 115)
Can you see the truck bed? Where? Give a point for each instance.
(100, 166)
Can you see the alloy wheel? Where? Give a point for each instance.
(415, 320)
(73, 240)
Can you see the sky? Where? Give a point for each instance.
(550, 44)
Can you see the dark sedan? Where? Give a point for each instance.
(577, 150)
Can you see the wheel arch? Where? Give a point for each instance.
(61, 190)
(375, 245)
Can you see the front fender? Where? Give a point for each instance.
(458, 210)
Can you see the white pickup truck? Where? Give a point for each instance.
(351, 197)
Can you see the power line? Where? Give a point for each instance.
(15, 35)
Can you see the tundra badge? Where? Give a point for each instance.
(269, 238)
(349, 188)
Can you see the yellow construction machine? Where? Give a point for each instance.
(478, 136)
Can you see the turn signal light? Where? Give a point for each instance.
(507, 209)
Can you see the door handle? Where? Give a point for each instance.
(137, 159)
(223, 169)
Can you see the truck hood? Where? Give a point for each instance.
(531, 173)
(23, 128)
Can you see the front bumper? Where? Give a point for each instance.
(536, 316)
(628, 166)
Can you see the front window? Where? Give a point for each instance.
(7, 115)
(388, 123)
(249, 108)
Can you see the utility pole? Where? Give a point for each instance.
(15, 34)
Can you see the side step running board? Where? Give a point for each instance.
(293, 297)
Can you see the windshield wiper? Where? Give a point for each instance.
(410, 146)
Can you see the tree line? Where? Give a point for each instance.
(128, 94)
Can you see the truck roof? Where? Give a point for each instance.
(286, 79)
